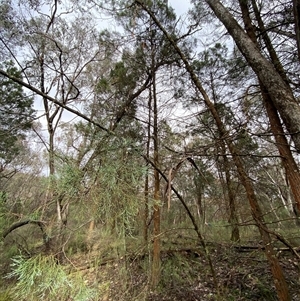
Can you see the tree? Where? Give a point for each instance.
(279, 92)
(16, 115)
(218, 72)
(288, 161)
(296, 9)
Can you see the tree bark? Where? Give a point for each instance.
(296, 6)
(290, 166)
(155, 275)
(233, 217)
(146, 187)
(279, 92)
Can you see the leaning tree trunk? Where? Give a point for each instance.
(296, 5)
(290, 166)
(280, 93)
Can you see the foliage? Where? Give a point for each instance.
(119, 178)
(5, 296)
(68, 179)
(16, 114)
(42, 278)
(3, 211)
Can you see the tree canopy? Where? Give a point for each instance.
(16, 114)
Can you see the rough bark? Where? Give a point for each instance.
(277, 130)
(296, 5)
(290, 166)
(280, 94)
(264, 33)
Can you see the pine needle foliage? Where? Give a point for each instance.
(119, 194)
(16, 114)
(41, 278)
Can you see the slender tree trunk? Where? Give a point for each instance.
(146, 208)
(227, 186)
(282, 288)
(290, 166)
(61, 210)
(199, 199)
(155, 275)
(192, 219)
(264, 33)
(233, 218)
(146, 188)
(279, 92)
(89, 236)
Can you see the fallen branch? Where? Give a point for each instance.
(250, 248)
(17, 225)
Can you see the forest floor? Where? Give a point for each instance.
(120, 271)
(241, 274)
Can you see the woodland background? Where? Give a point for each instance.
(146, 155)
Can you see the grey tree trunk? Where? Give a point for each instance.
(279, 92)
(296, 5)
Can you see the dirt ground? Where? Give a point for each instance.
(241, 274)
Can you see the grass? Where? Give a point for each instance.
(118, 268)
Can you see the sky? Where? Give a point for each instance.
(180, 7)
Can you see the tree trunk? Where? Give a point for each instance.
(233, 218)
(280, 94)
(146, 187)
(290, 166)
(155, 275)
(296, 5)
(199, 198)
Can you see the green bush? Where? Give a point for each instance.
(5, 296)
(41, 278)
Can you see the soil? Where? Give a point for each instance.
(241, 274)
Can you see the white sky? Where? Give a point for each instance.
(180, 7)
